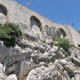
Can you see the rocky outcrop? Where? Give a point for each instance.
(43, 73)
(39, 59)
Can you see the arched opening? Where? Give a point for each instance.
(79, 45)
(3, 14)
(36, 26)
(62, 33)
(35, 22)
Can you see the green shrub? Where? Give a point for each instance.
(64, 43)
(0, 24)
(70, 74)
(76, 56)
(77, 67)
(58, 54)
(79, 31)
(9, 32)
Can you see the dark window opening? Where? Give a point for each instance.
(62, 32)
(78, 45)
(3, 10)
(35, 21)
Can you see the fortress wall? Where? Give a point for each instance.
(20, 14)
(66, 30)
(72, 34)
(75, 36)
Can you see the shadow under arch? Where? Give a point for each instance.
(46, 26)
(62, 32)
(35, 21)
(3, 9)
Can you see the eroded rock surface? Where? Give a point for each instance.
(39, 59)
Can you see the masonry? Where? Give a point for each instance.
(11, 11)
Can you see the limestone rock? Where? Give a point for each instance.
(2, 76)
(77, 77)
(42, 64)
(25, 43)
(54, 49)
(49, 32)
(43, 73)
(49, 42)
(75, 61)
(26, 66)
(63, 62)
(1, 68)
(76, 71)
(47, 56)
(12, 77)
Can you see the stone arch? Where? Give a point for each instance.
(35, 21)
(3, 13)
(79, 45)
(36, 27)
(62, 33)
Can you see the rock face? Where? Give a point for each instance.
(38, 58)
(31, 60)
(43, 73)
(12, 77)
(4, 77)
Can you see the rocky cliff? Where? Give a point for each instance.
(36, 57)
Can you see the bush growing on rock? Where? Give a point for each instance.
(62, 43)
(9, 32)
(79, 31)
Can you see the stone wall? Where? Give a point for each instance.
(20, 14)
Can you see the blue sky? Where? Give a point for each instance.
(56, 9)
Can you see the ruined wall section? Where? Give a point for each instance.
(75, 36)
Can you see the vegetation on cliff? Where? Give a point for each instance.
(9, 33)
(79, 31)
(64, 43)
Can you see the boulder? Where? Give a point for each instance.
(2, 76)
(2, 68)
(43, 73)
(25, 67)
(49, 42)
(63, 62)
(49, 32)
(12, 77)
(47, 57)
(75, 61)
(77, 77)
(54, 49)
